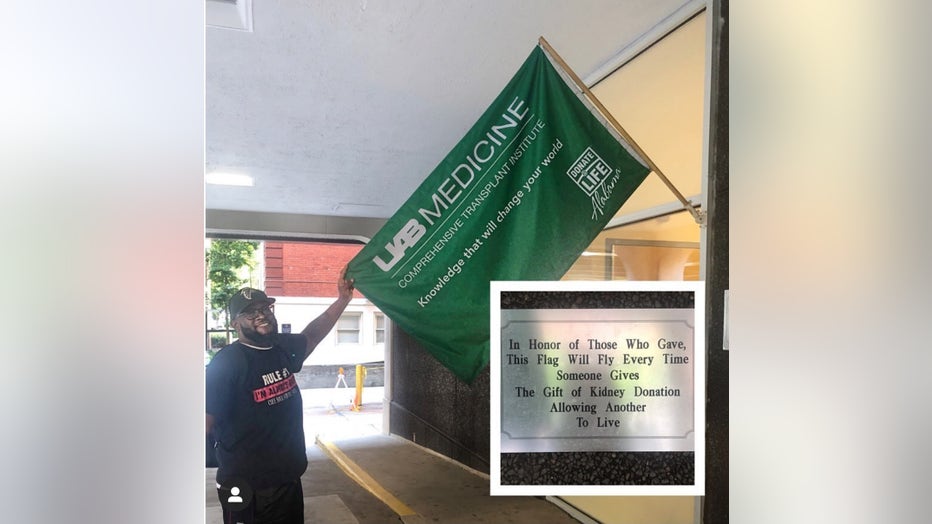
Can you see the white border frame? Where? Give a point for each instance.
(699, 395)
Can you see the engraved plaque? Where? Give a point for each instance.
(597, 380)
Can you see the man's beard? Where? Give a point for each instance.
(259, 338)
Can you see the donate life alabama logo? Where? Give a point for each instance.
(595, 177)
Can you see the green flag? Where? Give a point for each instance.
(518, 198)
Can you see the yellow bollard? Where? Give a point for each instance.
(360, 377)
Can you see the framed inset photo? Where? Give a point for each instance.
(597, 388)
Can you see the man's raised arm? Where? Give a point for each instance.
(320, 326)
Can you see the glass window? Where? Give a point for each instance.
(660, 248)
(348, 328)
(379, 328)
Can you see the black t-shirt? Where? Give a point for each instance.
(256, 403)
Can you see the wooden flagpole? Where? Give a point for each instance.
(611, 119)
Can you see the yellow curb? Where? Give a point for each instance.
(362, 478)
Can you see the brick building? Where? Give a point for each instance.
(300, 269)
(302, 277)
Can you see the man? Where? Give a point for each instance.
(255, 412)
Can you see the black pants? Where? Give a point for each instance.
(279, 505)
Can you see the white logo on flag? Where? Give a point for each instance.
(591, 174)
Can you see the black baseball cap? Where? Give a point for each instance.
(246, 297)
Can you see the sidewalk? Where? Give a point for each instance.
(328, 412)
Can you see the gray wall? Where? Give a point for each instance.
(715, 503)
(315, 377)
(434, 408)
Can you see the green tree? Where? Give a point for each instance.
(226, 260)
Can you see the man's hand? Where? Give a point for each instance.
(345, 287)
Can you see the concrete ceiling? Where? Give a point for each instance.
(342, 108)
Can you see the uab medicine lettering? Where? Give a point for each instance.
(454, 186)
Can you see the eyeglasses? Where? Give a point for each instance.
(253, 314)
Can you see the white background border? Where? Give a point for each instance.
(496, 288)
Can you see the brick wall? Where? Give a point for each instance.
(302, 269)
